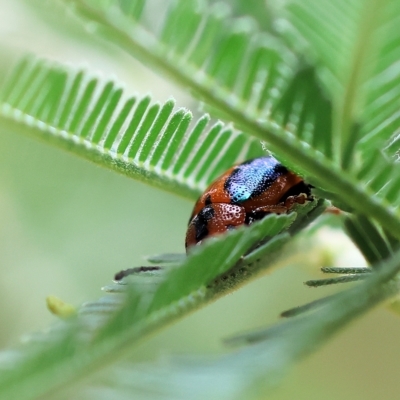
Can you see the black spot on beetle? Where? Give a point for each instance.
(254, 216)
(200, 222)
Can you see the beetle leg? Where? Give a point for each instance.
(261, 212)
(299, 199)
(276, 209)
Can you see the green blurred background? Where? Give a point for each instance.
(66, 226)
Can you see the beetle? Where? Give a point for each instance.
(245, 193)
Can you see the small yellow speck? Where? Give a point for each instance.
(58, 307)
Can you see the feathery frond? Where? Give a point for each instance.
(381, 112)
(227, 62)
(356, 46)
(139, 305)
(91, 117)
(309, 140)
(254, 367)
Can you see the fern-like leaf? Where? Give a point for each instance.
(274, 110)
(357, 46)
(91, 117)
(253, 370)
(220, 57)
(104, 329)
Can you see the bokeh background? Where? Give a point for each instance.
(66, 226)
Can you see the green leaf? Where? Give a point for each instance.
(332, 314)
(106, 329)
(93, 118)
(305, 110)
(381, 111)
(220, 57)
(266, 93)
(253, 371)
(356, 46)
(368, 239)
(381, 177)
